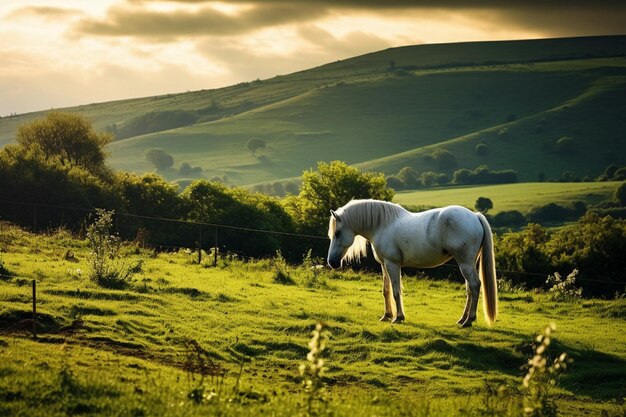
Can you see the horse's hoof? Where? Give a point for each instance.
(468, 322)
(386, 317)
(399, 319)
(461, 320)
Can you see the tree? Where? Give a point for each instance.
(160, 159)
(483, 204)
(445, 159)
(482, 149)
(409, 177)
(330, 187)
(565, 145)
(67, 137)
(254, 144)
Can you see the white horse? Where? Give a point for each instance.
(400, 238)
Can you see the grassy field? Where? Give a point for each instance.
(521, 197)
(389, 109)
(124, 352)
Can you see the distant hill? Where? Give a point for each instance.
(390, 109)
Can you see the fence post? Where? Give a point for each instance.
(200, 246)
(215, 249)
(34, 218)
(35, 309)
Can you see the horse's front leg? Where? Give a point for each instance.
(388, 316)
(393, 271)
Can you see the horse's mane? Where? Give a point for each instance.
(362, 216)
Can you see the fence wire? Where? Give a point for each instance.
(239, 254)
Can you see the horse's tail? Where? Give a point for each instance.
(487, 271)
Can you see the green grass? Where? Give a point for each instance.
(521, 197)
(359, 110)
(122, 352)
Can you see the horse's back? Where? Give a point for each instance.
(439, 234)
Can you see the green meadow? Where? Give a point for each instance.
(387, 110)
(140, 351)
(505, 197)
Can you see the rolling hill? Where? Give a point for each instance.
(390, 109)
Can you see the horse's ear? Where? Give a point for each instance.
(332, 213)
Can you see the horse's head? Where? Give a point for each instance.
(341, 239)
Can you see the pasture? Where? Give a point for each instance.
(520, 196)
(124, 352)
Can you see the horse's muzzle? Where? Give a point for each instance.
(334, 264)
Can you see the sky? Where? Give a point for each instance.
(55, 54)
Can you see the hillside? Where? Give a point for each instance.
(390, 109)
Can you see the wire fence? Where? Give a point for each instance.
(211, 238)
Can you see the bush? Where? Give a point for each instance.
(594, 245)
(444, 159)
(409, 177)
(553, 212)
(564, 289)
(67, 138)
(106, 271)
(512, 218)
(483, 204)
(160, 159)
(483, 175)
(482, 149)
(395, 182)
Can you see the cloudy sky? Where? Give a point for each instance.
(61, 53)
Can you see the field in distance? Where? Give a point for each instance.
(521, 196)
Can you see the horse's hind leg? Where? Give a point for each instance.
(393, 271)
(473, 290)
(388, 316)
(468, 301)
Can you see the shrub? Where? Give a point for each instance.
(68, 138)
(160, 159)
(564, 289)
(445, 159)
(409, 177)
(106, 271)
(510, 218)
(482, 149)
(394, 182)
(312, 372)
(553, 212)
(565, 145)
(255, 144)
(483, 175)
(540, 378)
(483, 204)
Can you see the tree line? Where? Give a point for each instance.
(60, 161)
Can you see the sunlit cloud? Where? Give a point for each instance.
(56, 54)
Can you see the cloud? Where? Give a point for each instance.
(44, 12)
(244, 62)
(568, 21)
(146, 23)
(200, 17)
(351, 44)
